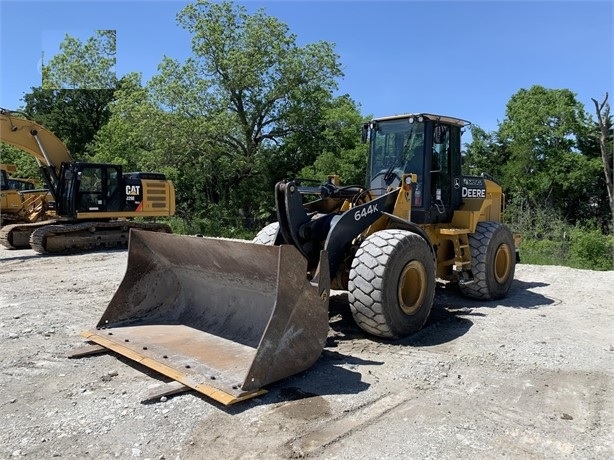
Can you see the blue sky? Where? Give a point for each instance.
(458, 58)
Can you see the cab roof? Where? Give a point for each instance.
(429, 116)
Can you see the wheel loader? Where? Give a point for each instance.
(87, 205)
(228, 317)
(9, 182)
(20, 200)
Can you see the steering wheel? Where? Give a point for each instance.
(378, 181)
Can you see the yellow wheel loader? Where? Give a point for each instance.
(227, 317)
(93, 205)
(20, 200)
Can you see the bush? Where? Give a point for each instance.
(579, 248)
(591, 249)
(215, 222)
(547, 239)
(544, 252)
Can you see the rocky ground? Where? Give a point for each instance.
(526, 377)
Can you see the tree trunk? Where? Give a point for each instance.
(603, 117)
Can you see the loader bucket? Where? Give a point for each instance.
(224, 317)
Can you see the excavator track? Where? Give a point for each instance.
(17, 236)
(71, 238)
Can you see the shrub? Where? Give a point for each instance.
(591, 249)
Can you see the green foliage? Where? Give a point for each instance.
(535, 222)
(546, 157)
(73, 115)
(349, 165)
(247, 109)
(539, 135)
(484, 154)
(591, 249)
(580, 248)
(129, 137)
(89, 65)
(342, 152)
(78, 86)
(549, 239)
(26, 165)
(544, 252)
(216, 221)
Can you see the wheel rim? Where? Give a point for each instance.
(502, 263)
(412, 287)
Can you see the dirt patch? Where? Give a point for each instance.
(526, 377)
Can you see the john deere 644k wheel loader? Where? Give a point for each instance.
(227, 317)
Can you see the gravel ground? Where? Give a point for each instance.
(526, 377)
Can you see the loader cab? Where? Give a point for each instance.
(4, 180)
(90, 187)
(423, 144)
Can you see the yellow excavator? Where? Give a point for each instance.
(227, 317)
(94, 204)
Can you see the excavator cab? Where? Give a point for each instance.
(90, 187)
(97, 190)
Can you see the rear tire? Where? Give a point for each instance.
(392, 283)
(493, 262)
(267, 235)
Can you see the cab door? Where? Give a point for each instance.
(445, 172)
(90, 194)
(99, 188)
(67, 190)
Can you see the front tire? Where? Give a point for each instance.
(493, 262)
(268, 235)
(392, 283)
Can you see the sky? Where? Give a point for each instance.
(461, 58)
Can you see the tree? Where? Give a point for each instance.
(78, 85)
(124, 139)
(604, 122)
(248, 95)
(26, 164)
(485, 154)
(74, 115)
(89, 65)
(339, 141)
(540, 135)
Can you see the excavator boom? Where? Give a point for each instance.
(34, 139)
(46, 148)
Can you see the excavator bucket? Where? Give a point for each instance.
(223, 317)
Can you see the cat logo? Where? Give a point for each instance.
(133, 190)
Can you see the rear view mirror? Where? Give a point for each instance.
(365, 132)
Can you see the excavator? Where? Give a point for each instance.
(228, 317)
(88, 205)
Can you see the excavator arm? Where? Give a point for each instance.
(46, 148)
